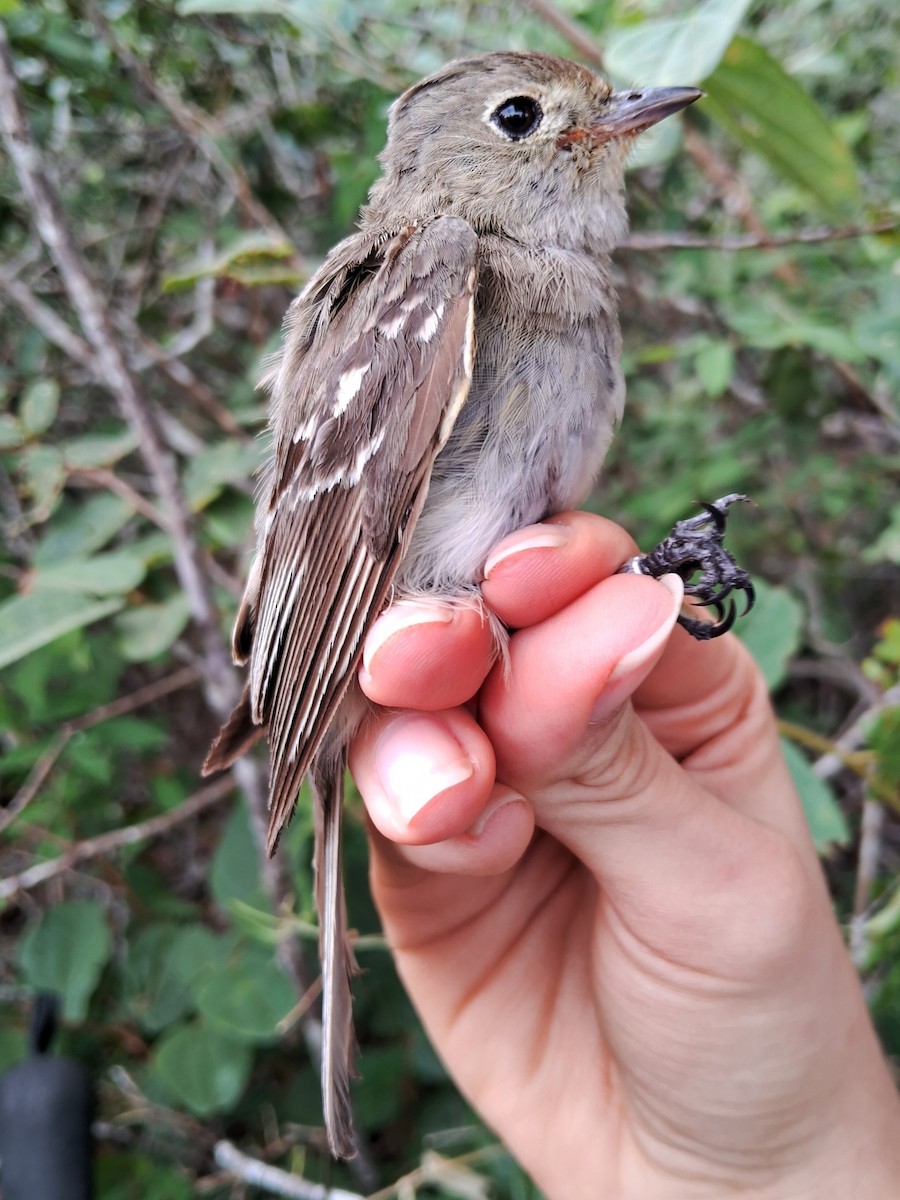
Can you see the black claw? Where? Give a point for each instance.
(695, 551)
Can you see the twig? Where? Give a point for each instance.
(835, 757)
(755, 241)
(106, 478)
(106, 712)
(434, 1167)
(106, 843)
(582, 41)
(273, 1179)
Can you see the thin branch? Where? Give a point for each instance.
(105, 712)
(106, 478)
(755, 241)
(272, 1179)
(107, 843)
(867, 861)
(579, 38)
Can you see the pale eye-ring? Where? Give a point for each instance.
(517, 117)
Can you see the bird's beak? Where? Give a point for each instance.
(629, 113)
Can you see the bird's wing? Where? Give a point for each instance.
(375, 368)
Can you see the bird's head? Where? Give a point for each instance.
(523, 144)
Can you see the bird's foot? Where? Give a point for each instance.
(695, 551)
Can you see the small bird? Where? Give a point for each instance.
(450, 374)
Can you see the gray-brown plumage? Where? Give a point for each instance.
(450, 374)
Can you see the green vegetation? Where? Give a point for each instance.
(208, 153)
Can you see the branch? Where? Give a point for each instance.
(116, 708)
(273, 1179)
(106, 843)
(582, 41)
(754, 241)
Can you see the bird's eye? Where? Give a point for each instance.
(517, 117)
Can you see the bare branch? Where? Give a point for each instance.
(107, 843)
(273, 1179)
(755, 241)
(578, 38)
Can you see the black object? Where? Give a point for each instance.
(695, 548)
(46, 1109)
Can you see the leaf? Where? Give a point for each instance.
(97, 450)
(234, 874)
(252, 260)
(668, 53)
(715, 366)
(45, 477)
(824, 815)
(246, 998)
(11, 432)
(205, 1071)
(763, 108)
(66, 952)
(122, 1176)
(771, 632)
(886, 547)
(102, 575)
(28, 622)
(226, 462)
(82, 528)
(148, 631)
(156, 995)
(39, 405)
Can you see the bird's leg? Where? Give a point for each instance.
(695, 551)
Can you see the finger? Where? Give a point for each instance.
(424, 777)
(541, 569)
(426, 655)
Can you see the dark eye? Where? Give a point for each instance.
(517, 117)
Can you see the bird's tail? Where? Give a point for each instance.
(338, 961)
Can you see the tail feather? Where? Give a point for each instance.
(238, 735)
(338, 961)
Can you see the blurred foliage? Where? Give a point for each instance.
(773, 371)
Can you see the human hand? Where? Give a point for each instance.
(602, 896)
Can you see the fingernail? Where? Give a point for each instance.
(532, 537)
(501, 799)
(402, 616)
(635, 665)
(417, 758)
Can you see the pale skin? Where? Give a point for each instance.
(602, 895)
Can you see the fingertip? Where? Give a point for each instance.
(424, 777)
(538, 571)
(426, 655)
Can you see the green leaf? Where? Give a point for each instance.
(205, 1071)
(246, 998)
(682, 51)
(80, 529)
(824, 815)
(39, 405)
(715, 366)
(122, 1176)
(226, 462)
(165, 964)
(102, 575)
(11, 432)
(45, 477)
(97, 450)
(251, 260)
(28, 622)
(763, 108)
(771, 632)
(234, 874)
(886, 547)
(148, 631)
(66, 952)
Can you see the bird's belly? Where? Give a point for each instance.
(480, 492)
